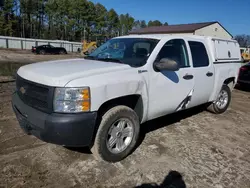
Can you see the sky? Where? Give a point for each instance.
(234, 15)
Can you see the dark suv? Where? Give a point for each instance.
(244, 75)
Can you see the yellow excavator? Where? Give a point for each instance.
(245, 54)
(88, 47)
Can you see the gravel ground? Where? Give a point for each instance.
(210, 151)
(26, 56)
(12, 59)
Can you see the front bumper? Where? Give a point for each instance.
(73, 130)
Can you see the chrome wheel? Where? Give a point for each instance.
(120, 135)
(222, 100)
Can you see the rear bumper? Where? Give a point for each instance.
(243, 81)
(73, 130)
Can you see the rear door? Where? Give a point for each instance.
(203, 71)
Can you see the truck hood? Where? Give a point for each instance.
(59, 73)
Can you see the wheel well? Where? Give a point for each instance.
(131, 101)
(230, 82)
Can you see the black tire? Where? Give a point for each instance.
(100, 148)
(62, 52)
(42, 52)
(214, 108)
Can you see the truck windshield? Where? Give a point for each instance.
(130, 51)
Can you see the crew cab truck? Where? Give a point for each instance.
(100, 101)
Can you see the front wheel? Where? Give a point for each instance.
(62, 52)
(117, 134)
(222, 102)
(42, 52)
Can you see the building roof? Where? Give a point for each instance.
(180, 28)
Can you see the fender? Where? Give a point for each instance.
(108, 86)
(222, 73)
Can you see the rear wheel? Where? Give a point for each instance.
(62, 52)
(117, 134)
(222, 102)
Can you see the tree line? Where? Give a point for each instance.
(71, 20)
(243, 40)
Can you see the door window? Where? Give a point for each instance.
(176, 50)
(199, 54)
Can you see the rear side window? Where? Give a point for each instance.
(199, 54)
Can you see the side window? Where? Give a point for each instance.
(199, 54)
(175, 49)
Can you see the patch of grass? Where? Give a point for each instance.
(9, 69)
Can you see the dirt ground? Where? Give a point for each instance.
(12, 59)
(26, 56)
(210, 151)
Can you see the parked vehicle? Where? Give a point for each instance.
(100, 101)
(245, 54)
(244, 75)
(88, 47)
(48, 49)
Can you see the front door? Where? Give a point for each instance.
(171, 91)
(203, 72)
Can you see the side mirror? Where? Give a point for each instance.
(166, 64)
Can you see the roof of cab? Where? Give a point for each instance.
(162, 36)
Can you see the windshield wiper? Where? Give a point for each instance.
(110, 60)
(103, 59)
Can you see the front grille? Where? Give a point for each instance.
(35, 95)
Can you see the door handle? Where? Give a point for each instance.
(209, 74)
(188, 77)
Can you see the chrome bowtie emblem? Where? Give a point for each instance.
(22, 90)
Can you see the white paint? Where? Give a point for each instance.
(161, 92)
(203, 84)
(166, 89)
(58, 73)
(224, 48)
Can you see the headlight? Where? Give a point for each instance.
(72, 100)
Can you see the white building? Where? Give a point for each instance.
(214, 29)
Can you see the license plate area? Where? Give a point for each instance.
(22, 119)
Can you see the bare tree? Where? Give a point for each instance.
(243, 40)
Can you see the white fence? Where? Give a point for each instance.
(27, 43)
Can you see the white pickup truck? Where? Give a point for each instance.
(100, 101)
